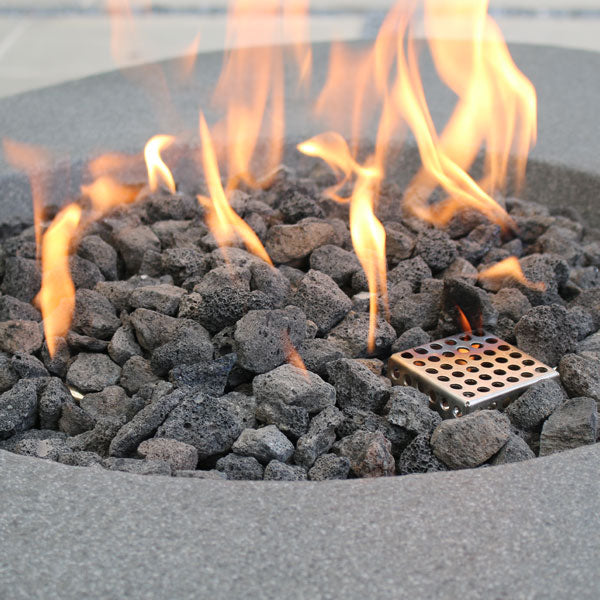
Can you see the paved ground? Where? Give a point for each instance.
(43, 42)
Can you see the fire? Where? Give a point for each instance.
(106, 193)
(158, 172)
(509, 268)
(57, 294)
(463, 321)
(291, 354)
(221, 219)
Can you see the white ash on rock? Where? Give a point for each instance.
(189, 360)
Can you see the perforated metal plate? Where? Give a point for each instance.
(467, 372)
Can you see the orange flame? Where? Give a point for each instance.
(296, 32)
(57, 294)
(221, 219)
(106, 193)
(158, 172)
(291, 354)
(464, 322)
(510, 268)
(188, 60)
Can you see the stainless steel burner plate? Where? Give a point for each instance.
(467, 372)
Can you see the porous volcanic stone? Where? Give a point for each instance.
(278, 471)
(240, 467)
(352, 335)
(152, 328)
(548, 269)
(94, 315)
(357, 386)
(8, 376)
(73, 419)
(409, 408)
(80, 459)
(546, 333)
(536, 404)
(319, 438)
(294, 386)
(103, 255)
(417, 310)
(414, 271)
(511, 303)
(479, 242)
(211, 474)
(20, 336)
(85, 343)
(290, 242)
(51, 401)
(515, 450)
(580, 376)
(329, 466)
(418, 457)
(138, 467)
(265, 444)
(436, 248)
(317, 352)
(291, 420)
(123, 345)
(460, 269)
(59, 362)
(116, 292)
(411, 338)
(133, 242)
(471, 440)
(99, 438)
(399, 242)
(93, 372)
(473, 301)
(321, 300)
(27, 366)
(263, 337)
(369, 454)
(49, 449)
(110, 402)
(179, 455)
(162, 298)
(22, 278)
(184, 264)
(573, 424)
(204, 422)
(85, 273)
(336, 262)
(13, 309)
(18, 408)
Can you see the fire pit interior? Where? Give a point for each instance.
(241, 327)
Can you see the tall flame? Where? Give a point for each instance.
(221, 219)
(158, 172)
(57, 294)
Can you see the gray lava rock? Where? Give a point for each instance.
(294, 386)
(22, 278)
(278, 471)
(206, 423)
(399, 243)
(242, 406)
(289, 419)
(8, 376)
(321, 300)
(20, 336)
(414, 270)
(290, 242)
(27, 366)
(208, 376)
(85, 273)
(511, 303)
(548, 269)
(471, 440)
(411, 338)
(94, 315)
(352, 335)
(123, 345)
(13, 309)
(211, 474)
(145, 422)
(473, 301)
(317, 352)
(296, 206)
(329, 466)
(18, 408)
(590, 301)
(162, 298)
(110, 402)
(240, 467)
(263, 337)
(573, 424)
(479, 242)
(99, 438)
(460, 269)
(135, 374)
(59, 362)
(153, 329)
(265, 444)
(357, 386)
(369, 454)
(185, 264)
(30, 434)
(73, 419)
(49, 449)
(51, 401)
(546, 333)
(436, 248)
(103, 255)
(515, 450)
(133, 242)
(137, 467)
(580, 376)
(409, 408)
(536, 404)
(581, 321)
(336, 262)
(417, 310)
(93, 372)
(591, 345)
(179, 455)
(319, 438)
(85, 343)
(418, 457)
(80, 459)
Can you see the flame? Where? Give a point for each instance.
(296, 32)
(510, 268)
(221, 219)
(291, 354)
(57, 294)
(158, 172)
(106, 193)
(464, 322)
(188, 60)
(33, 161)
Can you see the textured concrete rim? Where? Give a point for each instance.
(518, 531)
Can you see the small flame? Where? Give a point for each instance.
(221, 219)
(464, 322)
(291, 354)
(158, 172)
(106, 193)
(510, 268)
(57, 294)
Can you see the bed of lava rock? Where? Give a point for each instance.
(183, 360)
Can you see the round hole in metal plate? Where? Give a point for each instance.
(434, 358)
(528, 362)
(541, 369)
(456, 386)
(396, 373)
(512, 379)
(474, 357)
(491, 340)
(432, 371)
(514, 367)
(462, 350)
(435, 346)
(498, 384)
(472, 369)
(419, 363)
(476, 345)
(483, 389)
(456, 412)
(444, 404)
(446, 366)
(485, 377)
(526, 374)
(420, 350)
(468, 394)
(406, 355)
(515, 355)
(457, 374)
(499, 372)
(451, 342)
(448, 354)
(470, 382)
(465, 338)
(489, 352)
(443, 378)
(461, 361)
(503, 347)
(502, 360)
(487, 365)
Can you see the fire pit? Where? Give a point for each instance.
(300, 527)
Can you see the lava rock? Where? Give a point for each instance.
(460, 269)
(515, 450)
(27, 366)
(399, 243)
(137, 467)
(411, 338)
(204, 422)
(49, 449)
(590, 301)
(179, 455)
(110, 402)
(123, 346)
(319, 438)
(591, 345)
(548, 269)
(85, 343)
(136, 373)
(80, 459)
(436, 248)
(321, 300)
(409, 408)
(59, 362)
(417, 310)
(94, 315)
(572, 425)
(471, 440)
(20, 336)
(357, 386)
(580, 376)
(153, 329)
(209, 377)
(133, 242)
(479, 242)
(51, 401)
(93, 372)
(22, 278)
(289, 419)
(317, 352)
(265, 444)
(291, 242)
(546, 333)
(162, 298)
(116, 292)
(278, 471)
(418, 457)
(99, 438)
(84, 273)
(414, 270)
(263, 337)
(8, 376)
(511, 303)
(73, 419)
(336, 262)
(352, 335)
(13, 309)
(536, 404)
(103, 255)
(185, 264)
(243, 407)
(369, 454)
(296, 206)
(240, 467)
(145, 422)
(294, 386)
(18, 408)
(211, 474)
(581, 321)
(330, 466)
(473, 301)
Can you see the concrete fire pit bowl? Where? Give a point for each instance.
(527, 530)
